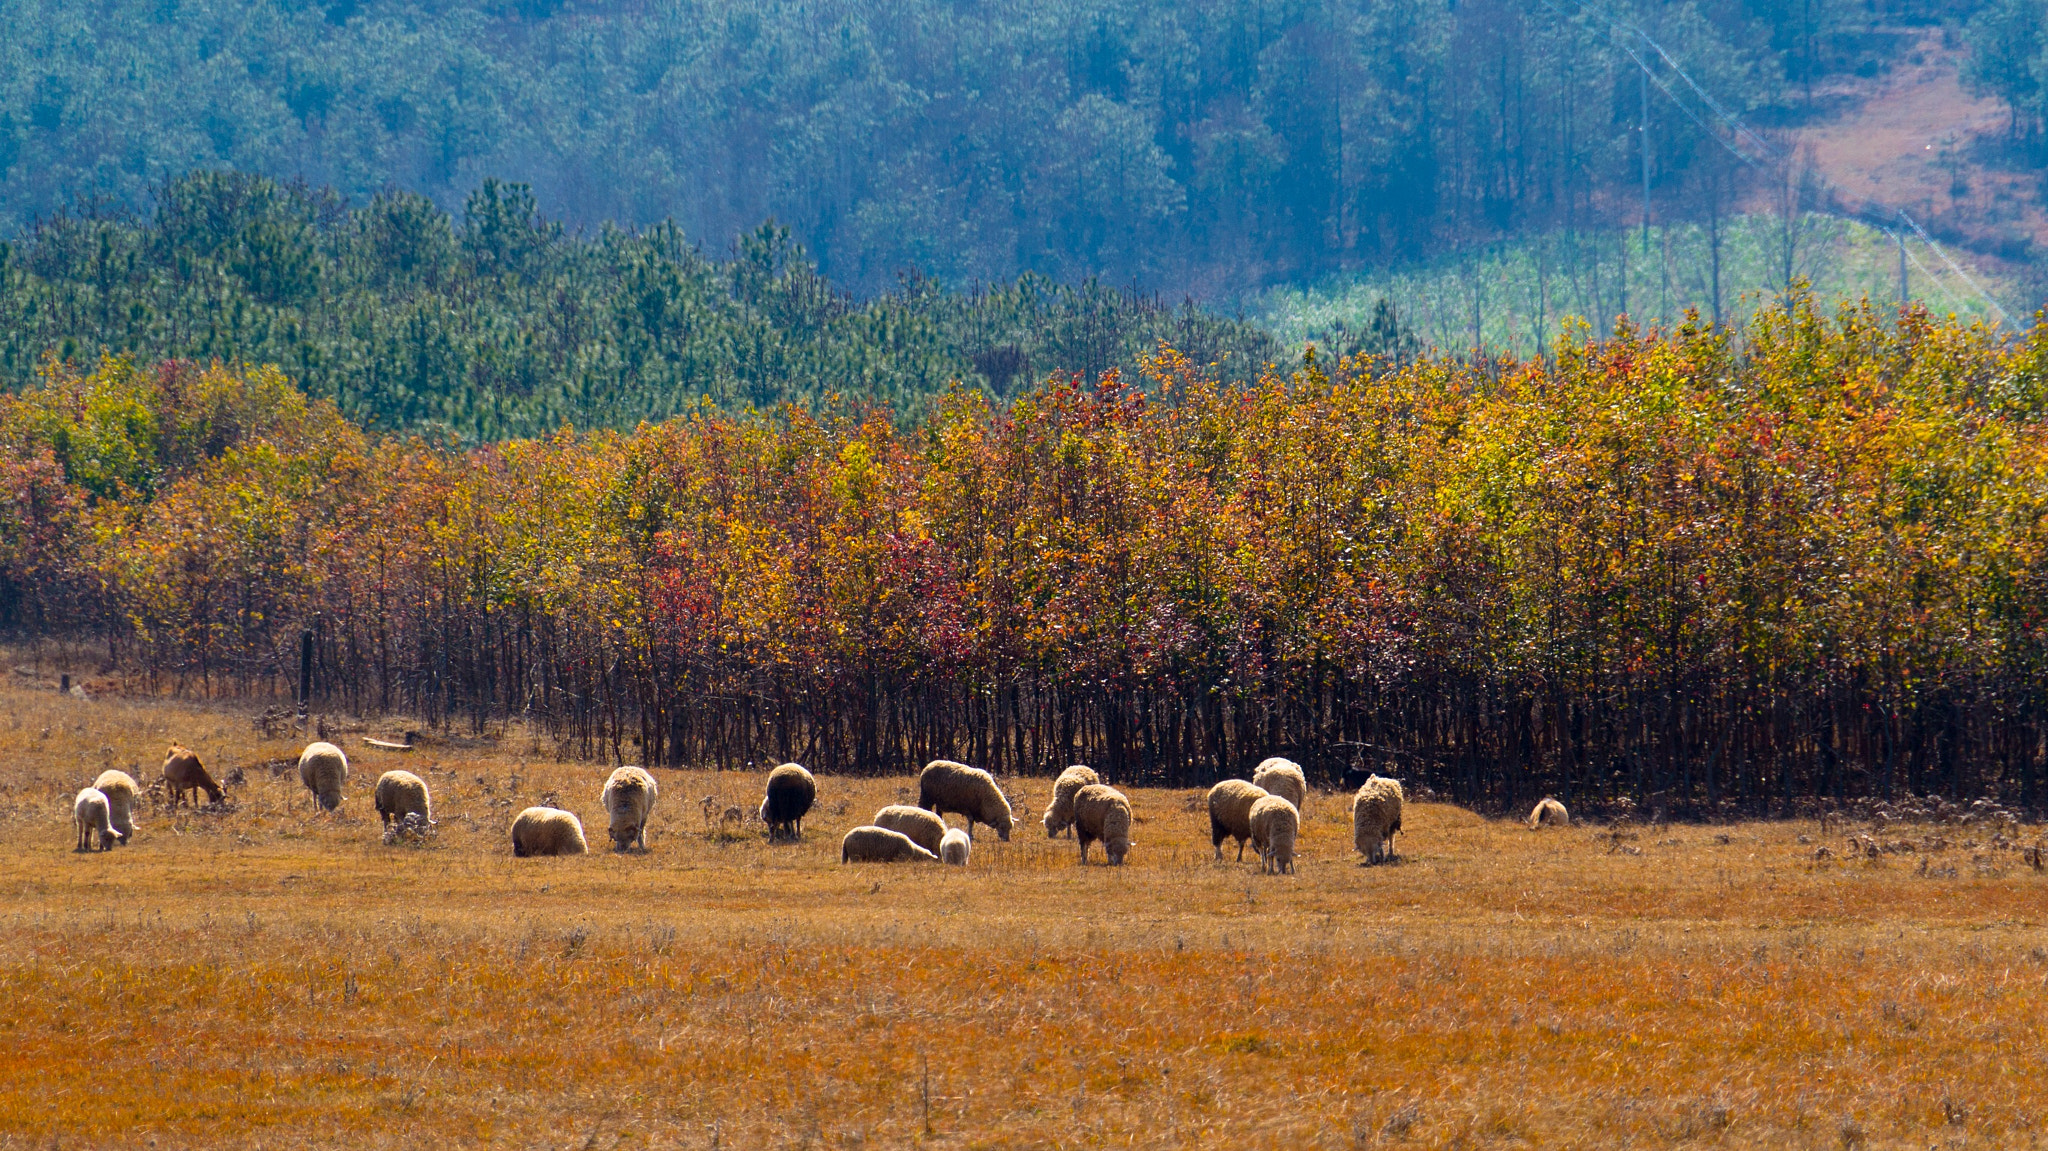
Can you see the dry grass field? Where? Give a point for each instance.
(276, 977)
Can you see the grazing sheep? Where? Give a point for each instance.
(1103, 813)
(1549, 812)
(1282, 777)
(1230, 813)
(791, 792)
(924, 829)
(1060, 815)
(183, 772)
(946, 786)
(1375, 817)
(880, 845)
(1275, 823)
(628, 797)
(955, 847)
(547, 831)
(91, 811)
(323, 768)
(121, 792)
(401, 793)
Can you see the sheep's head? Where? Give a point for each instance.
(1053, 827)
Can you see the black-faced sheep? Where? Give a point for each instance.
(924, 829)
(946, 786)
(183, 772)
(1059, 815)
(1549, 813)
(1230, 813)
(323, 768)
(955, 847)
(880, 845)
(1283, 777)
(90, 810)
(1103, 813)
(547, 831)
(121, 792)
(1275, 824)
(1375, 817)
(628, 798)
(791, 792)
(401, 793)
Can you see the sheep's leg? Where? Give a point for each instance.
(1240, 851)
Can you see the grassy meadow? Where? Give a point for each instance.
(276, 977)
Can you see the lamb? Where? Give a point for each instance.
(401, 793)
(323, 768)
(91, 810)
(791, 792)
(121, 792)
(1103, 813)
(1282, 777)
(946, 786)
(183, 772)
(547, 831)
(955, 847)
(1060, 816)
(880, 845)
(1230, 813)
(628, 797)
(1549, 811)
(1275, 824)
(924, 829)
(1375, 817)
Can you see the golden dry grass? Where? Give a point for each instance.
(278, 978)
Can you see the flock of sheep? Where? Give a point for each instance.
(1265, 812)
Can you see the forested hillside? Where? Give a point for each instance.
(500, 323)
(1199, 146)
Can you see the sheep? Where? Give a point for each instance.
(880, 845)
(183, 772)
(628, 797)
(1549, 811)
(947, 786)
(1375, 817)
(1282, 777)
(791, 792)
(1230, 813)
(401, 793)
(1060, 815)
(547, 831)
(91, 810)
(1103, 813)
(955, 847)
(323, 768)
(1275, 824)
(121, 792)
(924, 829)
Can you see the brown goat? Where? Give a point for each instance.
(183, 772)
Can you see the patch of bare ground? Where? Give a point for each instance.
(267, 975)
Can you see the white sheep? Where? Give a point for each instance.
(955, 847)
(1230, 813)
(924, 829)
(1275, 824)
(880, 845)
(946, 786)
(323, 768)
(401, 793)
(1103, 813)
(1283, 777)
(91, 810)
(791, 792)
(548, 831)
(1375, 817)
(628, 798)
(1549, 812)
(121, 792)
(1059, 815)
